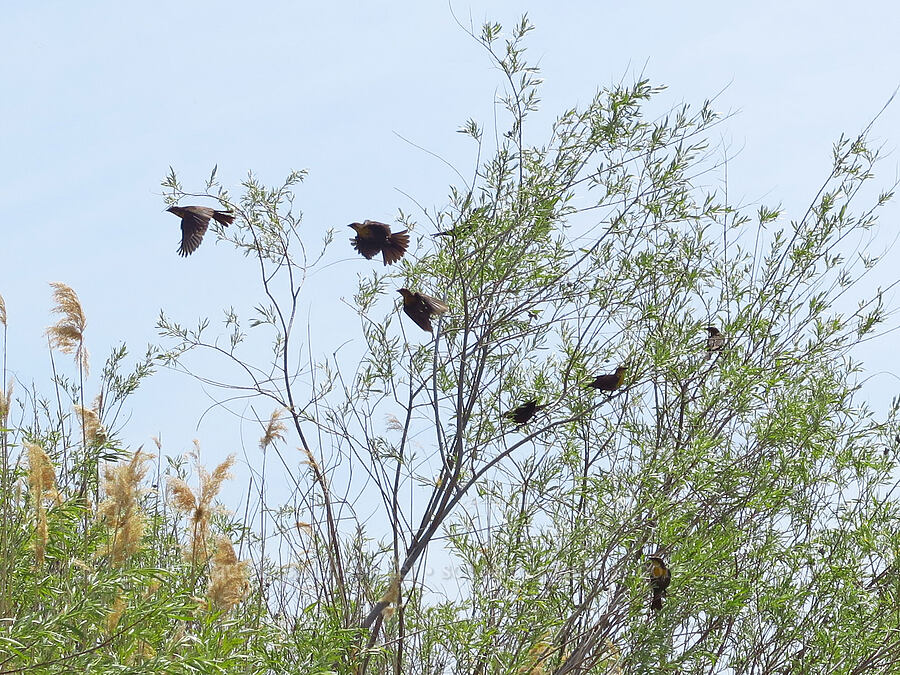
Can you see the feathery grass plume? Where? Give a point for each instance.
(120, 509)
(392, 595)
(5, 402)
(198, 509)
(67, 334)
(115, 613)
(537, 656)
(2, 311)
(274, 429)
(229, 578)
(41, 480)
(94, 431)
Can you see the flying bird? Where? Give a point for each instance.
(421, 308)
(714, 342)
(194, 221)
(524, 412)
(660, 578)
(373, 238)
(610, 381)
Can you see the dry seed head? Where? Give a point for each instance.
(182, 496)
(67, 334)
(228, 578)
(274, 429)
(210, 484)
(198, 508)
(311, 461)
(94, 432)
(41, 480)
(151, 589)
(121, 508)
(115, 613)
(538, 655)
(392, 595)
(2, 311)
(41, 476)
(5, 402)
(40, 536)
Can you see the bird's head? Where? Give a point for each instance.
(356, 227)
(177, 210)
(657, 563)
(406, 293)
(620, 371)
(712, 330)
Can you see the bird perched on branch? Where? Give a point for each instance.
(660, 578)
(610, 381)
(521, 414)
(421, 308)
(194, 221)
(373, 238)
(714, 341)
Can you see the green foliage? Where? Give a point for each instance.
(427, 533)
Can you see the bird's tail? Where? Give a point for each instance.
(395, 247)
(223, 217)
(656, 602)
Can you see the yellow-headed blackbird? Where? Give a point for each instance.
(420, 308)
(373, 238)
(660, 578)
(524, 412)
(194, 220)
(610, 381)
(714, 342)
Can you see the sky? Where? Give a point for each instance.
(101, 98)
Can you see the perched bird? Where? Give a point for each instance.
(610, 381)
(660, 578)
(460, 230)
(714, 342)
(373, 238)
(524, 412)
(194, 221)
(420, 308)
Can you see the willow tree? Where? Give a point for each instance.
(754, 469)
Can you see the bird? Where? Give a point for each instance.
(610, 381)
(460, 230)
(373, 238)
(421, 308)
(660, 578)
(714, 342)
(194, 221)
(521, 414)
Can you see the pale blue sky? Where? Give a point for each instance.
(99, 98)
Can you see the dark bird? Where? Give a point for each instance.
(610, 381)
(460, 230)
(714, 342)
(194, 221)
(660, 578)
(524, 412)
(373, 238)
(421, 308)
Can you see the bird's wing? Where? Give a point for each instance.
(366, 247)
(193, 227)
(434, 305)
(421, 319)
(380, 229)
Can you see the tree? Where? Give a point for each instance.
(758, 474)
